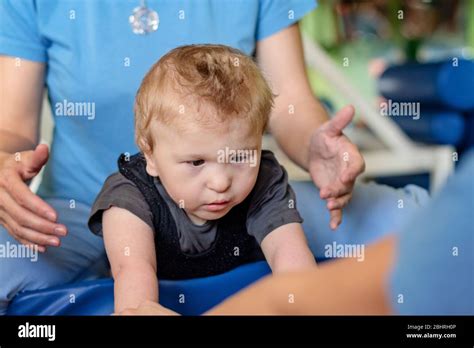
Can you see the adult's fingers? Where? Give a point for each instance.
(336, 125)
(336, 190)
(23, 196)
(25, 218)
(32, 161)
(353, 170)
(27, 236)
(40, 248)
(336, 218)
(37, 238)
(339, 203)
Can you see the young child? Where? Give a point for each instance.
(201, 197)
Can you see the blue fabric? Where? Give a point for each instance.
(446, 84)
(434, 270)
(187, 297)
(93, 56)
(435, 127)
(373, 212)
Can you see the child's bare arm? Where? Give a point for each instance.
(286, 249)
(130, 248)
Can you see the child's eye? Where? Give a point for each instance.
(197, 163)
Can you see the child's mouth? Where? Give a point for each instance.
(217, 206)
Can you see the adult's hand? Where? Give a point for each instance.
(335, 163)
(28, 218)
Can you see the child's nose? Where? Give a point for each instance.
(219, 182)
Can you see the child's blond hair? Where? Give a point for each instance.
(216, 75)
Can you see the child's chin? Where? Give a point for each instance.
(213, 215)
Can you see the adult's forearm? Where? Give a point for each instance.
(342, 287)
(11, 142)
(292, 125)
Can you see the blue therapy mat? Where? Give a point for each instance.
(96, 297)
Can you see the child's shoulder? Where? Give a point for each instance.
(272, 177)
(269, 166)
(117, 184)
(120, 192)
(117, 179)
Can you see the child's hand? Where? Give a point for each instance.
(147, 308)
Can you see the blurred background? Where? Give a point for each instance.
(397, 52)
(385, 54)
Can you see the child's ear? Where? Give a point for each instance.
(151, 168)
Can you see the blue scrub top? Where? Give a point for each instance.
(93, 57)
(434, 268)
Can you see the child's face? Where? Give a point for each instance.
(196, 169)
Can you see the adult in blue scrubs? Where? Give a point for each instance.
(92, 62)
(434, 267)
